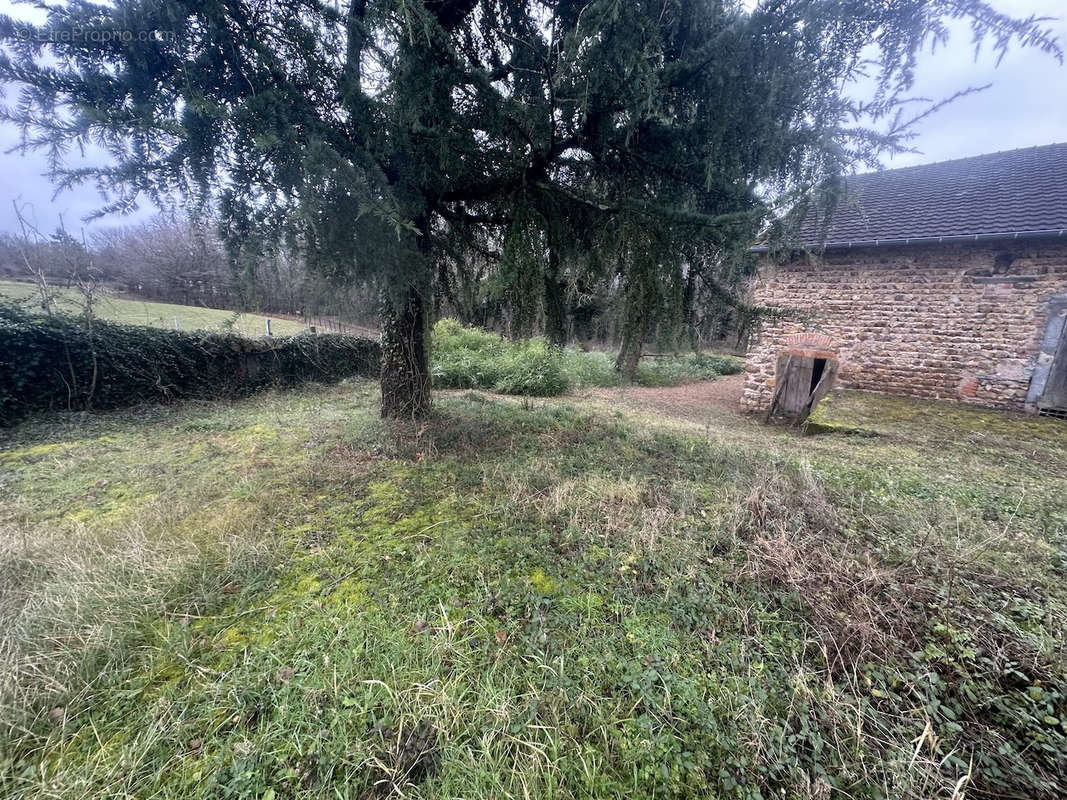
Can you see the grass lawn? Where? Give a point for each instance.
(285, 597)
(158, 315)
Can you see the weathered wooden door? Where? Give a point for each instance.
(1055, 394)
(802, 381)
(796, 384)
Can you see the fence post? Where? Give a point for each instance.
(177, 327)
(268, 327)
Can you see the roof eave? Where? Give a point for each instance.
(914, 240)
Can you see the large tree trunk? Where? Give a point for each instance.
(555, 301)
(633, 340)
(405, 374)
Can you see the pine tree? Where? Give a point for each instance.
(391, 138)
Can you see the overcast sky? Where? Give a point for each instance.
(1026, 106)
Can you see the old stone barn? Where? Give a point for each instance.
(945, 281)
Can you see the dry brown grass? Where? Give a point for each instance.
(859, 606)
(862, 606)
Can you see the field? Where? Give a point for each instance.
(158, 315)
(618, 593)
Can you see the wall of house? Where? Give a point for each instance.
(953, 321)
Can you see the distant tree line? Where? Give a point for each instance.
(188, 262)
(182, 261)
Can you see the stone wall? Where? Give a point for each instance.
(948, 321)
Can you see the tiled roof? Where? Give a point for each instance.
(999, 195)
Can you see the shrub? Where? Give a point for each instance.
(451, 336)
(58, 362)
(598, 369)
(464, 358)
(469, 358)
(532, 367)
(675, 370)
(592, 368)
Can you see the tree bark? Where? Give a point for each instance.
(633, 340)
(555, 301)
(405, 375)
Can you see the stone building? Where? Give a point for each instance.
(944, 281)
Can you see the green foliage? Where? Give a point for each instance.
(470, 358)
(588, 368)
(674, 370)
(593, 368)
(961, 683)
(532, 367)
(61, 362)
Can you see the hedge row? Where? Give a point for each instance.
(59, 362)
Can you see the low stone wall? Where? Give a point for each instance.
(949, 321)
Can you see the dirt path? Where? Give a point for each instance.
(694, 402)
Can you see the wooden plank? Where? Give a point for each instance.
(797, 391)
(779, 371)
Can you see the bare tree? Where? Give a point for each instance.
(28, 245)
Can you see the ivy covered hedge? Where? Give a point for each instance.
(62, 362)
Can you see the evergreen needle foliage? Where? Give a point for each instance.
(406, 141)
